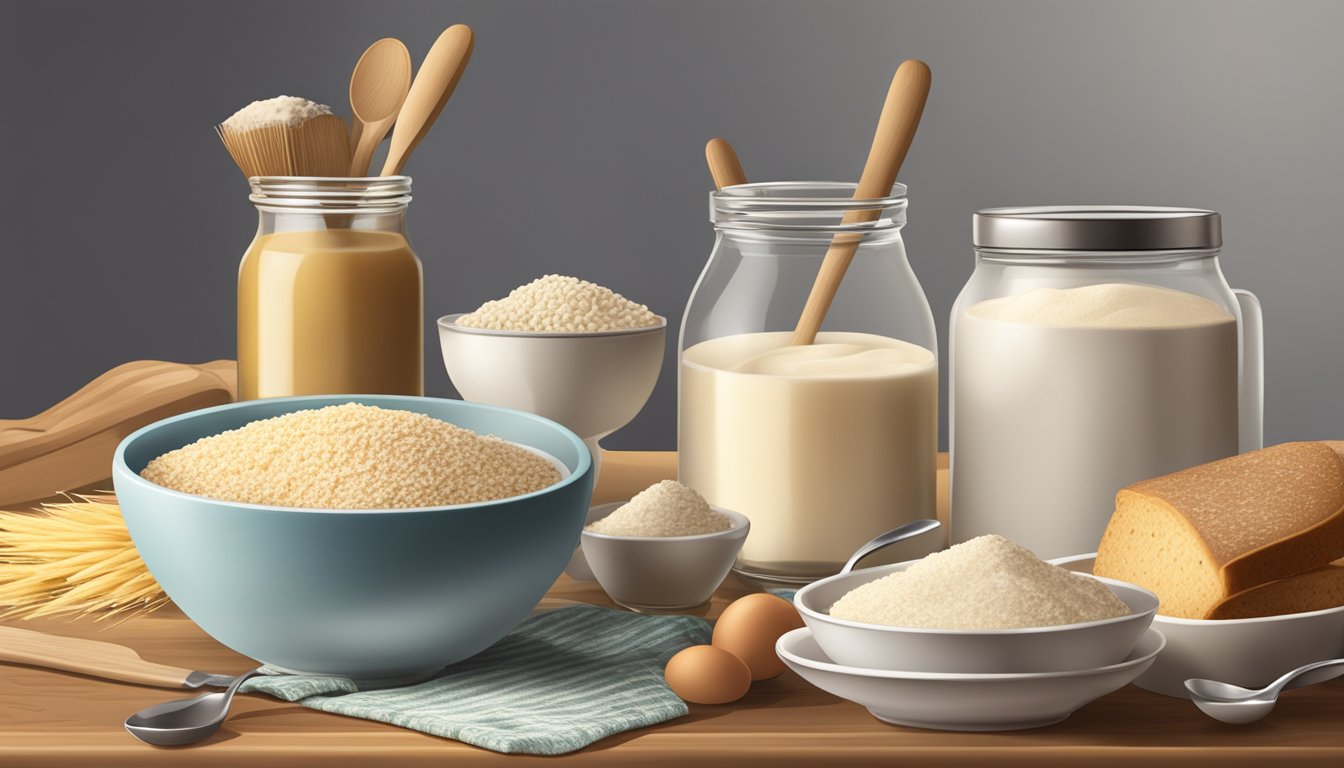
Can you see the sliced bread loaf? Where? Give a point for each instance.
(1202, 535)
(1311, 591)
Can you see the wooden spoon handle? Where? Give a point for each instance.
(434, 83)
(86, 657)
(895, 130)
(364, 142)
(724, 166)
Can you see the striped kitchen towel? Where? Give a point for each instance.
(557, 683)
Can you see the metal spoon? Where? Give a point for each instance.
(1234, 704)
(185, 721)
(902, 533)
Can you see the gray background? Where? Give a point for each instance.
(574, 145)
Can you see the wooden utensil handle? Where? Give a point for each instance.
(433, 84)
(724, 166)
(86, 657)
(895, 130)
(71, 444)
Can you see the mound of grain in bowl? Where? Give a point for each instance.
(558, 304)
(985, 583)
(352, 456)
(666, 508)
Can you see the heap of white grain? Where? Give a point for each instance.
(352, 456)
(558, 304)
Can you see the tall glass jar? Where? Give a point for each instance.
(821, 446)
(329, 292)
(1093, 347)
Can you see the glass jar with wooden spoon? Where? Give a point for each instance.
(823, 445)
(329, 293)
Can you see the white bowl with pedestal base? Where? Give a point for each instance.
(592, 383)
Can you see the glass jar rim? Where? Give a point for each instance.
(804, 206)
(330, 194)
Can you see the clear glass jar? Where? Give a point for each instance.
(822, 446)
(1093, 347)
(329, 292)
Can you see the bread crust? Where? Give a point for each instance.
(1254, 519)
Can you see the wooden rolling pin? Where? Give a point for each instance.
(71, 444)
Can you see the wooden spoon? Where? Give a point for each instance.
(895, 130)
(378, 88)
(434, 83)
(724, 166)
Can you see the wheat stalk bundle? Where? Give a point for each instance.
(72, 558)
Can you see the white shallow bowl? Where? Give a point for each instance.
(948, 702)
(1248, 652)
(992, 651)
(662, 573)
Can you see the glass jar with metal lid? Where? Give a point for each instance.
(1093, 347)
(329, 292)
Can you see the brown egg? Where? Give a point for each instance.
(749, 627)
(703, 674)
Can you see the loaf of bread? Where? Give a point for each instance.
(1202, 537)
(1311, 591)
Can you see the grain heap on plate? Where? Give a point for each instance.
(985, 583)
(557, 304)
(667, 508)
(352, 456)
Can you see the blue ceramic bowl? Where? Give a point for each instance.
(381, 596)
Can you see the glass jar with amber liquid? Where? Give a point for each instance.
(329, 293)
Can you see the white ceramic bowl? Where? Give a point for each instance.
(1038, 649)
(1248, 652)
(593, 383)
(662, 573)
(948, 702)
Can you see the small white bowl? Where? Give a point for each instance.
(1248, 652)
(948, 702)
(593, 383)
(662, 573)
(1086, 645)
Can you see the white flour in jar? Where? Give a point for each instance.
(1061, 397)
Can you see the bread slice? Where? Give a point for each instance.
(1311, 591)
(1199, 536)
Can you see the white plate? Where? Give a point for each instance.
(949, 702)
(1248, 652)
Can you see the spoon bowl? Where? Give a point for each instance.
(1236, 705)
(185, 721)
(378, 88)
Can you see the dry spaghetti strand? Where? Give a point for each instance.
(72, 558)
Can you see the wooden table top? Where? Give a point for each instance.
(57, 719)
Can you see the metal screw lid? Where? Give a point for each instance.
(1097, 228)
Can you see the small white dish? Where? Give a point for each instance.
(654, 574)
(951, 702)
(1059, 648)
(1250, 653)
